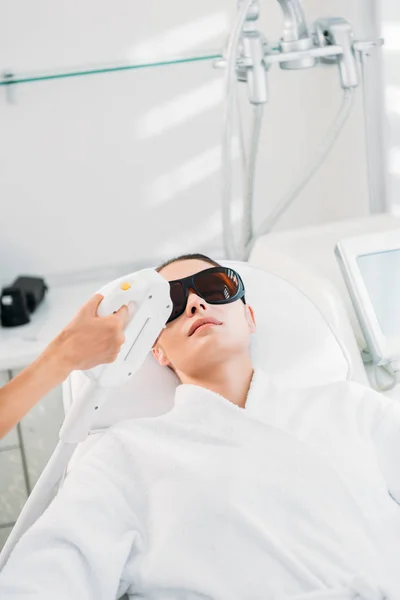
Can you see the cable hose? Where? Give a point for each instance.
(248, 209)
(230, 249)
(322, 153)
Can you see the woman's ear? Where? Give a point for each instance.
(160, 356)
(251, 321)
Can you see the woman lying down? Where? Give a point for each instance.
(241, 492)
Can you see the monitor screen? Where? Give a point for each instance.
(381, 275)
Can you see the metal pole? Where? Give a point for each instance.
(374, 111)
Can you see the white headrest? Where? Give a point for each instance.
(294, 343)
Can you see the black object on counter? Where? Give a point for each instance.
(20, 299)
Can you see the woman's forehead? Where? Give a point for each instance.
(184, 268)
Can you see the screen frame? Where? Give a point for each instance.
(384, 348)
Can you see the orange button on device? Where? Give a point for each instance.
(125, 286)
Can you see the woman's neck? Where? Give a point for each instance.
(230, 380)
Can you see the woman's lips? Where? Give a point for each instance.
(202, 323)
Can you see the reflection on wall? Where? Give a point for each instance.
(186, 36)
(186, 106)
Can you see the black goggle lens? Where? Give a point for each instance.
(217, 286)
(178, 297)
(213, 285)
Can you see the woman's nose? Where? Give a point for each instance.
(194, 303)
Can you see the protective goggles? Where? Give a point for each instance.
(218, 285)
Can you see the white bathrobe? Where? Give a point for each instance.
(291, 498)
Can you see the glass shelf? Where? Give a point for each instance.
(9, 79)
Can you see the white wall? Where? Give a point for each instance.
(105, 169)
(390, 11)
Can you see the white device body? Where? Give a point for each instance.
(150, 293)
(384, 345)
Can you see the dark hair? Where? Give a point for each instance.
(188, 257)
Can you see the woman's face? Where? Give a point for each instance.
(189, 352)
